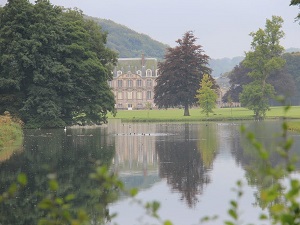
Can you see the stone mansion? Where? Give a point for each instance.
(133, 82)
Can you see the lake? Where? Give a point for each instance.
(190, 168)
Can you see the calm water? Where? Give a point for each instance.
(189, 168)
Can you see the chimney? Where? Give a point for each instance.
(143, 59)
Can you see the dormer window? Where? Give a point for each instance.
(148, 73)
(139, 72)
(119, 72)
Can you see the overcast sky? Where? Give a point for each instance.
(222, 27)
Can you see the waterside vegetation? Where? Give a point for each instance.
(11, 136)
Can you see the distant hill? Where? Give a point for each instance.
(291, 50)
(129, 43)
(221, 66)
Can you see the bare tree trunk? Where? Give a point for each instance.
(186, 110)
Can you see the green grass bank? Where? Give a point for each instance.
(220, 114)
(11, 136)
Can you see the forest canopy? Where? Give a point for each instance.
(54, 65)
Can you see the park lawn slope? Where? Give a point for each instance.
(220, 114)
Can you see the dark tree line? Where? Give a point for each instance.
(54, 65)
(285, 81)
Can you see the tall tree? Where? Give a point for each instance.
(180, 74)
(207, 97)
(264, 59)
(54, 65)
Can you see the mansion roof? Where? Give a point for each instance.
(135, 66)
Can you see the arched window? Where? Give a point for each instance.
(139, 83)
(129, 83)
(129, 95)
(139, 72)
(149, 82)
(149, 95)
(139, 95)
(120, 95)
(148, 73)
(120, 83)
(119, 72)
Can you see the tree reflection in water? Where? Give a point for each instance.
(69, 155)
(181, 161)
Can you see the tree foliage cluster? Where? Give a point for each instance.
(264, 59)
(286, 81)
(265, 71)
(54, 65)
(180, 74)
(207, 97)
(296, 2)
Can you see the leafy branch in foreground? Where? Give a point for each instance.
(281, 197)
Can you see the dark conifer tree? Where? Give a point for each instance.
(180, 74)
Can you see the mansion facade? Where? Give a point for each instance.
(133, 82)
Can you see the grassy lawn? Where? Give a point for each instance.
(196, 115)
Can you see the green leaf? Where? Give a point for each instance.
(232, 213)
(53, 185)
(133, 192)
(22, 179)
(168, 222)
(229, 223)
(233, 204)
(12, 189)
(59, 201)
(70, 197)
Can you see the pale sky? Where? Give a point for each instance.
(222, 27)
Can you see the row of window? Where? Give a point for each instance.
(148, 73)
(130, 95)
(120, 105)
(129, 83)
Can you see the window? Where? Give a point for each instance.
(139, 95)
(119, 72)
(120, 83)
(157, 73)
(129, 83)
(110, 83)
(149, 82)
(120, 106)
(139, 83)
(149, 95)
(139, 105)
(129, 95)
(129, 74)
(120, 95)
(148, 73)
(139, 72)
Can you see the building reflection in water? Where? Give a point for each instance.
(183, 154)
(135, 148)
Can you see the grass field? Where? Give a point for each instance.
(196, 115)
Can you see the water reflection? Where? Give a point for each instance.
(70, 155)
(190, 168)
(181, 161)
